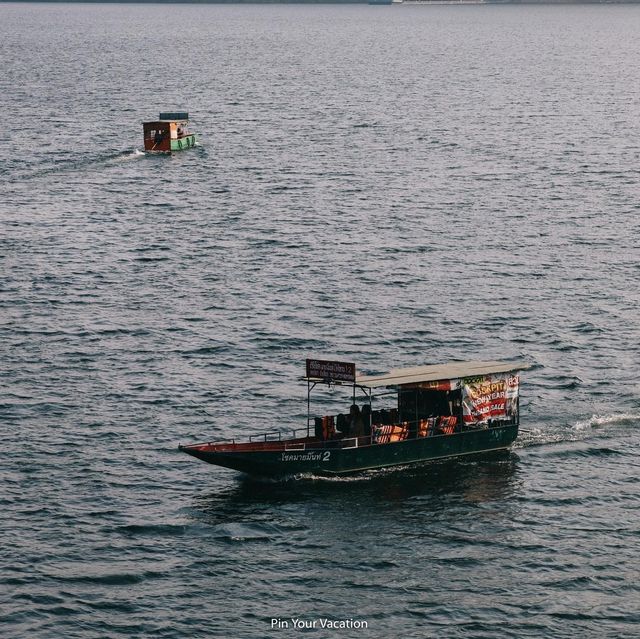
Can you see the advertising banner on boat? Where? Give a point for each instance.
(329, 371)
(489, 397)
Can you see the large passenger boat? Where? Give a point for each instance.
(405, 416)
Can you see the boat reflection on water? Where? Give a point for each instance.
(436, 485)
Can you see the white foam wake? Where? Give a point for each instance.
(597, 421)
(125, 156)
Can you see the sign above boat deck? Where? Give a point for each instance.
(330, 371)
(438, 372)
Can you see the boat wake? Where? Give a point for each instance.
(310, 478)
(126, 156)
(83, 163)
(576, 431)
(539, 437)
(599, 421)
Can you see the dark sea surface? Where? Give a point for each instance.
(387, 185)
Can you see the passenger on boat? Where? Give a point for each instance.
(366, 419)
(455, 402)
(342, 425)
(356, 423)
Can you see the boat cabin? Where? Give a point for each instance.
(418, 402)
(168, 133)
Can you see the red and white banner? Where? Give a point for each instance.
(489, 397)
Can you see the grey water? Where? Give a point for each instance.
(387, 185)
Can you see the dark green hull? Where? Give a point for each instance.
(330, 459)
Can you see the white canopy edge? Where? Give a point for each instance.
(439, 372)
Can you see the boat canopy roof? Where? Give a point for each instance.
(438, 372)
(174, 115)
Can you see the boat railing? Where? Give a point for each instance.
(217, 442)
(295, 445)
(352, 442)
(401, 431)
(274, 436)
(280, 435)
(300, 438)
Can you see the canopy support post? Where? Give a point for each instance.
(308, 405)
(310, 386)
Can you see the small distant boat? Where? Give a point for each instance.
(168, 133)
(435, 412)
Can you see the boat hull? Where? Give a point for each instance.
(185, 142)
(330, 459)
(170, 145)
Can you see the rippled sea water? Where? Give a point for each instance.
(388, 185)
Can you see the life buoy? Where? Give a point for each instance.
(179, 144)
